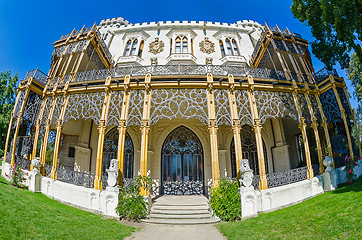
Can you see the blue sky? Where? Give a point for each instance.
(27, 28)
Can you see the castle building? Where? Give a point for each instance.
(182, 103)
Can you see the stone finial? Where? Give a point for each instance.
(112, 173)
(246, 174)
(327, 162)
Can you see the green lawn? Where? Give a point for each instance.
(27, 215)
(332, 215)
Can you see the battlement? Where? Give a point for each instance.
(122, 23)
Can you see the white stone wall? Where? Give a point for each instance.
(116, 34)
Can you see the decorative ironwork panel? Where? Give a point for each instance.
(255, 182)
(243, 104)
(344, 101)
(47, 107)
(269, 105)
(183, 188)
(222, 107)
(81, 45)
(304, 107)
(288, 101)
(32, 108)
(95, 74)
(76, 178)
(24, 145)
(57, 109)
(324, 73)
(38, 75)
(314, 103)
(183, 103)
(25, 163)
(135, 108)
(282, 178)
(48, 170)
(330, 106)
(70, 48)
(115, 108)
(18, 105)
(85, 106)
(104, 179)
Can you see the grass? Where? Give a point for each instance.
(332, 215)
(27, 215)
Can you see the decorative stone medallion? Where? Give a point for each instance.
(207, 46)
(156, 46)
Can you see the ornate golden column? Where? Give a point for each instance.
(145, 129)
(10, 124)
(263, 184)
(122, 128)
(37, 129)
(59, 133)
(315, 130)
(343, 114)
(19, 119)
(236, 125)
(101, 134)
(213, 131)
(303, 128)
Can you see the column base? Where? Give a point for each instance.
(263, 184)
(98, 183)
(53, 174)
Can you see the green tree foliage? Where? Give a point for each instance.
(7, 101)
(355, 75)
(336, 25)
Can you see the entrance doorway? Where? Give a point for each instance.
(182, 164)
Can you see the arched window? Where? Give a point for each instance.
(170, 46)
(184, 45)
(128, 48)
(222, 48)
(141, 48)
(134, 47)
(178, 45)
(228, 47)
(235, 48)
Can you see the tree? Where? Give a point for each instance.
(354, 71)
(336, 26)
(7, 101)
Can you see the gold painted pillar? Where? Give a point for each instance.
(10, 124)
(343, 115)
(122, 129)
(263, 184)
(145, 129)
(213, 131)
(101, 134)
(303, 128)
(37, 130)
(19, 119)
(236, 125)
(315, 130)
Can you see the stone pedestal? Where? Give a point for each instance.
(35, 177)
(247, 192)
(328, 175)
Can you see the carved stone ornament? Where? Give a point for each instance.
(112, 173)
(156, 46)
(327, 162)
(246, 174)
(207, 46)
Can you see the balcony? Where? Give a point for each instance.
(233, 60)
(181, 58)
(129, 60)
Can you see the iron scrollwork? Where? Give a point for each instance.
(222, 107)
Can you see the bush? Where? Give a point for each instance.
(225, 200)
(16, 175)
(131, 204)
(351, 163)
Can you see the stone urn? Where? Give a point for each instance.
(327, 162)
(112, 173)
(246, 174)
(36, 164)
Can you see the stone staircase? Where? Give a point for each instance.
(181, 210)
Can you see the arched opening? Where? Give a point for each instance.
(182, 165)
(110, 149)
(128, 48)
(249, 150)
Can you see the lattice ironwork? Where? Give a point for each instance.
(95, 74)
(255, 182)
(93, 56)
(76, 178)
(304, 107)
(85, 106)
(32, 108)
(270, 105)
(344, 101)
(48, 170)
(182, 103)
(104, 179)
(38, 75)
(135, 107)
(24, 145)
(330, 106)
(182, 163)
(314, 103)
(115, 108)
(57, 109)
(222, 107)
(25, 163)
(283, 178)
(19, 103)
(288, 101)
(324, 73)
(243, 105)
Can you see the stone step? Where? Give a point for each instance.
(180, 208)
(181, 221)
(189, 216)
(178, 212)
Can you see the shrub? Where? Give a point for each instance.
(351, 163)
(225, 200)
(16, 175)
(131, 204)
